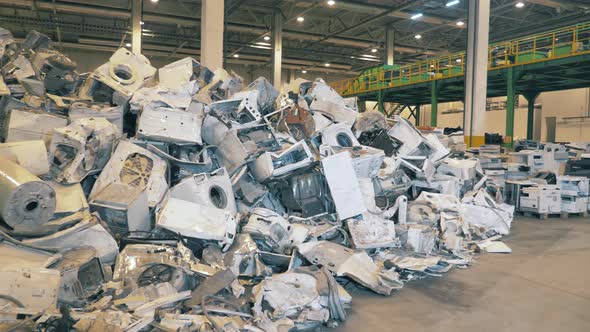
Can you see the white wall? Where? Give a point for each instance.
(559, 104)
(563, 104)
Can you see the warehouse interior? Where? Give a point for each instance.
(294, 165)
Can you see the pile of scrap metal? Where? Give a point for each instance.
(178, 199)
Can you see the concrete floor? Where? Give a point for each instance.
(544, 285)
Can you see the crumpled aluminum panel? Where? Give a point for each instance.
(169, 125)
(344, 186)
(82, 148)
(204, 222)
(137, 167)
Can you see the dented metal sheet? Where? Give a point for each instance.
(211, 189)
(70, 199)
(414, 144)
(136, 167)
(31, 155)
(205, 222)
(81, 275)
(87, 232)
(124, 208)
(340, 135)
(25, 125)
(347, 263)
(343, 184)
(35, 289)
(81, 149)
(371, 232)
(114, 114)
(177, 74)
(327, 101)
(269, 229)
(169, 125)
(274, 165)
(125, 73)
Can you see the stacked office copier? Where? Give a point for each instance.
(574, 193)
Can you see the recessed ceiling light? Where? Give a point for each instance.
(300, 19)
(304, 71)
(416, 16)
(431, 66)
(142, 22)
(460, 23)
(418, 36)
(128, 44)
(266, 38)
(374, 50)
(236, 55)
(331, 3)
(452, 3)
(326, 64)
(519, 4)
(154, 1)
(458, 60)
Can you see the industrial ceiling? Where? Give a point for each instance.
(349, 35)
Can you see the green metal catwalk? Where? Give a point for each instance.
(549, 61)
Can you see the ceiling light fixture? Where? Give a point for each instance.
(142, 23)
(128, 44)
(452, 3)
(460, 23)
(416, 16)
(154, 1)
(300, 19)
(331, 3)
(236, 55)
(304, 71)
(418, 36)
(458, 60)
(519, 4)
(326, 65)
(266, 38)
(260, 47)
(374, 50)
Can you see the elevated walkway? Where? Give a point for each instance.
(549, 61)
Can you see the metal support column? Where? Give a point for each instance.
(277, 47)
(136, 12)
(389, 46)
(417, 116)
(380, 104)
(433, 103)
(510, 95)
(531, 97)
(476, 74)
(212, 19)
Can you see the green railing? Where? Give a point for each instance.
(560, 43)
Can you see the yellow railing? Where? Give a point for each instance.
(560, 43)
